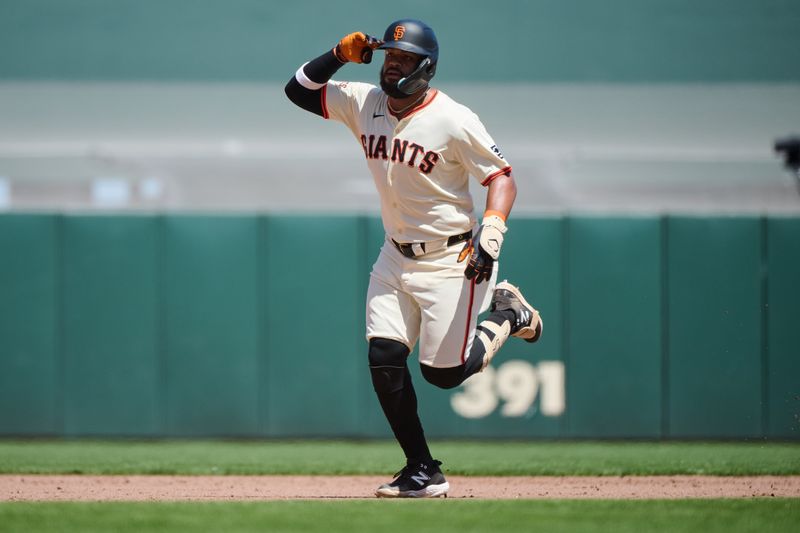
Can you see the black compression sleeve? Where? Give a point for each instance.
(318, 70)
(322, 68)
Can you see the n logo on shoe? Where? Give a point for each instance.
(421, 477)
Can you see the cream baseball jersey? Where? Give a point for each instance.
(421, 164)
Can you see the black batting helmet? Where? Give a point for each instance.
(414, 36)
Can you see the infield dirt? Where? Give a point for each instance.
(253, 488)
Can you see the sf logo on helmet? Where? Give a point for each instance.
(399, 31)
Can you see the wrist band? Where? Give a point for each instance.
(491, 212)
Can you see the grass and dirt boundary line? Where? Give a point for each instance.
(326, 486)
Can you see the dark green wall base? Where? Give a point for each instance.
(172, 325)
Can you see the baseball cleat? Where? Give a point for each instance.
(527, 323)
(418, 480)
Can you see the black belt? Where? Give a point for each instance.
(416, 249)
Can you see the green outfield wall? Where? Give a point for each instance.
(252, 325)
(501, 41)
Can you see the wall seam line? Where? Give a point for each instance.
(764, 327)
(665, 325)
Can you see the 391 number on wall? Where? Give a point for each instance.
(514, 386)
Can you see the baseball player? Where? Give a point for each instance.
(437, 268)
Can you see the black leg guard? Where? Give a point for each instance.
(392, 383)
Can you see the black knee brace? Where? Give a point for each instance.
(387, 364)
(445, 378)
(449, 378)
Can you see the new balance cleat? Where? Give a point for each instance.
(527, 323)
(417, 480)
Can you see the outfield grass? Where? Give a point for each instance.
(441, 516)
(384, 457)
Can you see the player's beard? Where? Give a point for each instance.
(390, 88)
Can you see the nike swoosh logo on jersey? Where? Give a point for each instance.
(376, 115)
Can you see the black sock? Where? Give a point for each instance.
(400, 409)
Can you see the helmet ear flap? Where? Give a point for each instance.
(419, 78)
(425, 65)
(430, 70)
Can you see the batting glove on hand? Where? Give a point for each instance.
(484, 249)
(356, 47)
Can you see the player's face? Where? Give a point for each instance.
(398, 64)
